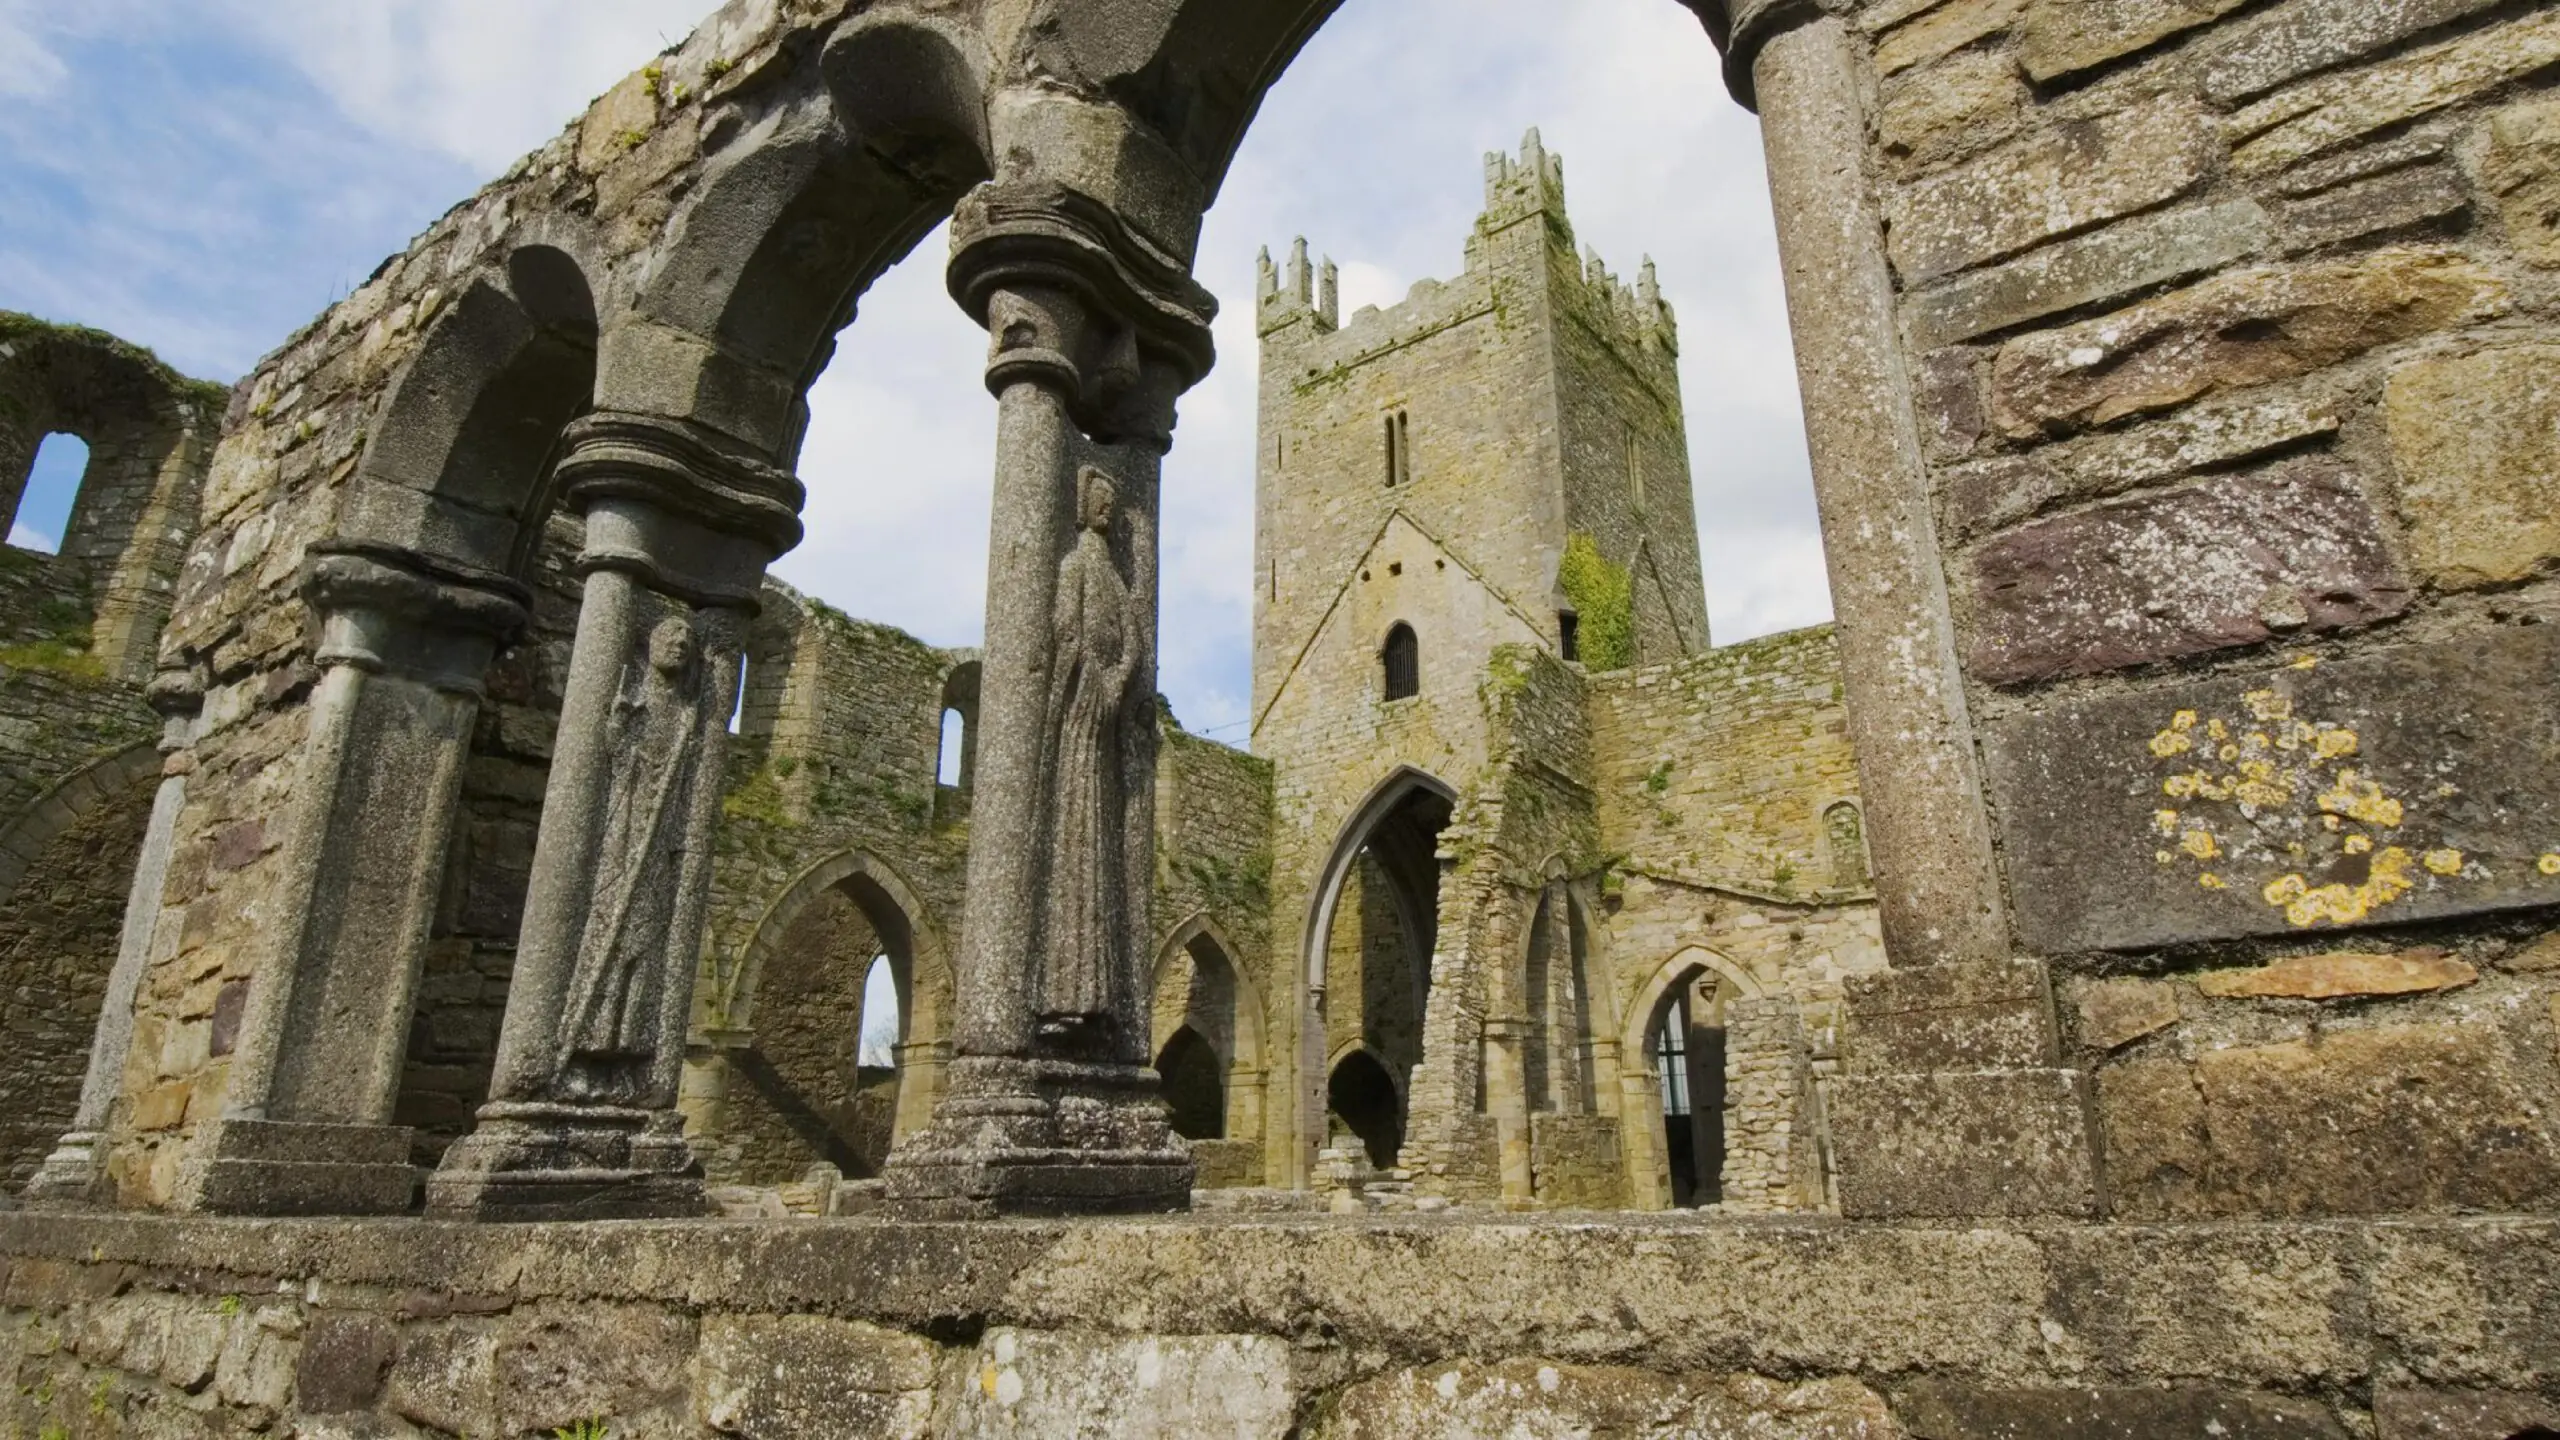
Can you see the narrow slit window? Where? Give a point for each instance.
(1569, 634)
(1635, 468)
(1671, 1059)
(1404, 449)
(738, 707)
(42, 519)
(955, 748)
(1390, 451)
(1403, 655)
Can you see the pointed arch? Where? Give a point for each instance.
(898, 915)
(1402, 784)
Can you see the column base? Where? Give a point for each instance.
(569, 1162)
(1042, 1137)
(74, 1174)
(281, 1167)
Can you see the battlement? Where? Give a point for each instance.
(1634, 316)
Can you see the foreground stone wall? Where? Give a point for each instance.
(815, 1330)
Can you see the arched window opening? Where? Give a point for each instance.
(883, 1025)
(1195, 1089)
(1846, 833)
(1569, 634)
(42, 519)
(738, 709)
(955, 740)
(1403, 657)
(1399, 449)
(1361, 1100)
(1687, 1051)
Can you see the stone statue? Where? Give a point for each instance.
(1098, 639)
(608, 1031)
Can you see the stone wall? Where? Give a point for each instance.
(2228, 327)
(813, 1330)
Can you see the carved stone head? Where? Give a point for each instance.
(1095, 498)
(671, 647)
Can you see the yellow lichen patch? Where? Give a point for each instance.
(2176, 740)
(2200, 844)
(2166, 822)
(2217, 729)
(2340, 904)
(2268, 705)
(2443, 862)
(2307, 662)
(2211, 881)
(2358, 844)
(2357, 798)
(2548, 864)
(2330, 742)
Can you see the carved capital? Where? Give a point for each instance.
(399, 612)
(1075, 298)
(1742, 28)
(687, 470)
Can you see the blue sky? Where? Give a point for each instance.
(205, 177)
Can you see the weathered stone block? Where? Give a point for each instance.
(2341, 974)
(345, 1360)
(2062, 37)
(2415, 1117)
(1970, 101)
(1944, 28)
(2399, 200)
(2220, 563)
(2049, 184)
(1948, 1017)
(1468, 1400)
(2118, 260)
(550, 1371)
(2479, 463)
(2321, 115)
(2404, 1414)
(2246, 328)
(2115, 1013)
(2011, 1142)
(811, 1378)
(1105, 1387)
(2397, 785)
(1940, 1411)
(618, 123)
(2521, 170)
(2294, 39)
(2151, 1122)
(1985, 496)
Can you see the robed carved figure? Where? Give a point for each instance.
(1097, 642)
(608, 1034)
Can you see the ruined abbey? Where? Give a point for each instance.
(482, 958)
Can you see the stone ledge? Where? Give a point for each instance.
(2026, 1304)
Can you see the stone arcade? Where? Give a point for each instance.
(2128, 938)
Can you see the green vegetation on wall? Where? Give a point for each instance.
(1603, 595)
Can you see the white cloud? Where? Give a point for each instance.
(32, 71)
(27, 537)
(481, 80)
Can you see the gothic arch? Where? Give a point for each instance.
(1673, 972)
(895, 910)
(99, 783)
(1401, 785)
(1251, 1024)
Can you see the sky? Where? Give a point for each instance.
(205, 177)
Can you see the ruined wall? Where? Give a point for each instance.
(1172, 1330)
(2229, 328)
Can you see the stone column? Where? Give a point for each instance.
(76, 1170)
(1506, 1098)
(582, 1119)
(1918, 768)
(306, 1124)
(1049, 1105)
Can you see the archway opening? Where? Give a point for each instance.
(1365, 1108)
(1195, 1088)
(60, 926)
(1558, 1064)
(1685, 1048)
(818, 1077)
(41, 520)
(1401, 656)
(1379, 930)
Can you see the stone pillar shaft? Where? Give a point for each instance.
(1919, 772)
(75, 1172)
(1048, 1104)
(1506, 1098)
(583, 1118)
(306, 1124)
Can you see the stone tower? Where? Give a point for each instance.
(1516, 429)
(1499, 460)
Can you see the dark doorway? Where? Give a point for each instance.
(1688, 1056)
(1194, 1086)
(1363, 1100)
